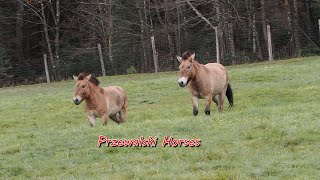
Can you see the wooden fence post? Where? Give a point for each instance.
(269, 43)
(217, 45)
(46, 67)
(101, 60)
(155, 55)
(319, 28)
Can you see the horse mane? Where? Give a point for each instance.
(92, 79)
(186, 55)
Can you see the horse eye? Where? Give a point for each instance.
(189, 67)
(83, 86)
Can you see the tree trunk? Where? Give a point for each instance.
(45, 25)
(264, 19)
(229, 31)
(287, 5)
(104, 34)
(56, 39)
(19, 32)
(308, 17)
(255, 36)
(231, 39)
(164, 24)
(256, 41)
(220, 29)
(171, 47)
(153, 45)
(178, 31)
(208, 23)
(144, 62)
(110, 36)
(296, 27)
(146, 11)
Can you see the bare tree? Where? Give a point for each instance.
(153, 42)
(43, 9)
(110, 32)
(211, 25)
(296, 27)
(19, 32)
(264, 19)
(292, 16)
(164, 23)
(253, 33)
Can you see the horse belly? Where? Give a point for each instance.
(218, 88)
(114, 100)
(113, 109)
(197, 93)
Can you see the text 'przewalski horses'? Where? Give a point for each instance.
(105, 102)
(209, 81)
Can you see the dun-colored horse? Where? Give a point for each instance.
(105, 102)
(208, 81)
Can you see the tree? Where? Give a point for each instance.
(5, 64)
(45, 10)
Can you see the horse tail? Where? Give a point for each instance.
(229, 95)
(123, 111)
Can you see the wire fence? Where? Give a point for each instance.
(136, 55)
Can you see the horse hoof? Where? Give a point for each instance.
(195, 112)
(207, 112)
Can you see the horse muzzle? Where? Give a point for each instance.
(77, 100)
(181, 84)
(183, 81)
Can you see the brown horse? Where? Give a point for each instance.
(105, 102)
(208, 81)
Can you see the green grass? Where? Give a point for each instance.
(273, 132)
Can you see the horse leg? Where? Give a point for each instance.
(208, 104)
(215, 99)
(105, 118)
(123, 111)
(195, 105)
(123, 114)
(220, 106)
(116, 118)
(91, 119)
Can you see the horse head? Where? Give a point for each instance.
(83, 87)
(187, 70)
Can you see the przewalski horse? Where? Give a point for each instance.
(105, 102)
(209, 81)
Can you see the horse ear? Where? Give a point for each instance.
(179, 58)
(89, 76)
(193, 56)
(75, 77)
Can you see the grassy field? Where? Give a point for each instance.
(273, 131)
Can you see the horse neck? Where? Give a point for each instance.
(197, 81)
(197, 68)
(94, 95)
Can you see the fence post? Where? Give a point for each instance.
(154, 53)
(319, 29)
(101, 60)
(269, 43)
(46, 67)
(217, 45)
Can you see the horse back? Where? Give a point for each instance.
(217, 73)
(116, 99)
